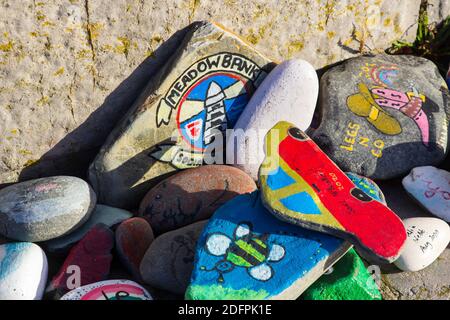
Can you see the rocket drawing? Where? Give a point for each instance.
(216, 117)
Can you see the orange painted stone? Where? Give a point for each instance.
(192, 195)
(133, 237)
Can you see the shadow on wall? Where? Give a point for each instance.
(107, 115)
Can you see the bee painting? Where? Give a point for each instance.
(245, 250)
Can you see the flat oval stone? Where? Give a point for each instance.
(195, 96)
(245, 253)
(45, 208)
(133, 237)
(106, 215)
(427, 239)
(368, 186)
(192, 195)
(289, 91)
(88, 261)
(168, 262)
(109, 290)
(430, 186)
(349, 279)
(23, 271)
(383, 115)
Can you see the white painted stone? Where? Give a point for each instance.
(431, 187)
(109, 290)
(289, 92)
(427, 239)
(23, 271)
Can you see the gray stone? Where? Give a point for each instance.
(199, 93)
(438, 10)
(70, 69)
(106, 215)
(46, 208)
(169, 260)
(383, 115)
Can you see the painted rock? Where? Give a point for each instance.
(109, 290)
(46, 208)
(301, 185)
(289, 92)
(192, 195)
(246, 253)
(368, 186)
(383, 115)
(133, 237)
(106, 215)
(431, 187)
(448, 78)
(23, 271)
(427, 239)
(348, 280)
(88, 261)
(168, 262)
(179, 120)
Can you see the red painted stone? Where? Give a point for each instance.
(133, 237)
(92, 255)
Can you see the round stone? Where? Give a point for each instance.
(383, 115)
(23, 271)
(45, 208)
(192, 195)
(109, 290)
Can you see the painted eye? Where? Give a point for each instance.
(297, 134)
(360, 195)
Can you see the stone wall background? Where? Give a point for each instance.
(70, 69)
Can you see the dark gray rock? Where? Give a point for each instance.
(46, 208)
(383, 115)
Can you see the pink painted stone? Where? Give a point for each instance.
(92, 255)
(192, 195)
(133, 237)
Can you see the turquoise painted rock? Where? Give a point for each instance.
(109, 290)
(348, 280)
(45, 208)
(246, 253)
(106, 215)
(23, 271)
(368, 186)
(180, 119)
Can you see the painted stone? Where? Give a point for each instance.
(448, 78)
(192, 195)
(23, 271)
(430, 186)
(301, 185)
(133, 237)
(427, 239)
(368, 186)
(109, 290)
(88, 261)
(106, 215)
(383, 115)
(246, 253)
(179, 120)
(168, 262)
(348, 280)
(289, 91)
(45, 208)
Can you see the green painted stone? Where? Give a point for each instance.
(349, 280)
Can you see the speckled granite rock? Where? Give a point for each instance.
(383, 115)
(90, 59)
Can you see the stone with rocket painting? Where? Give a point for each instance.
(301, 185)
(180, 119)
(430, 186)
(192, 195)
(383, 115)
(45, 208)
(244, 252)
(109, 290)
